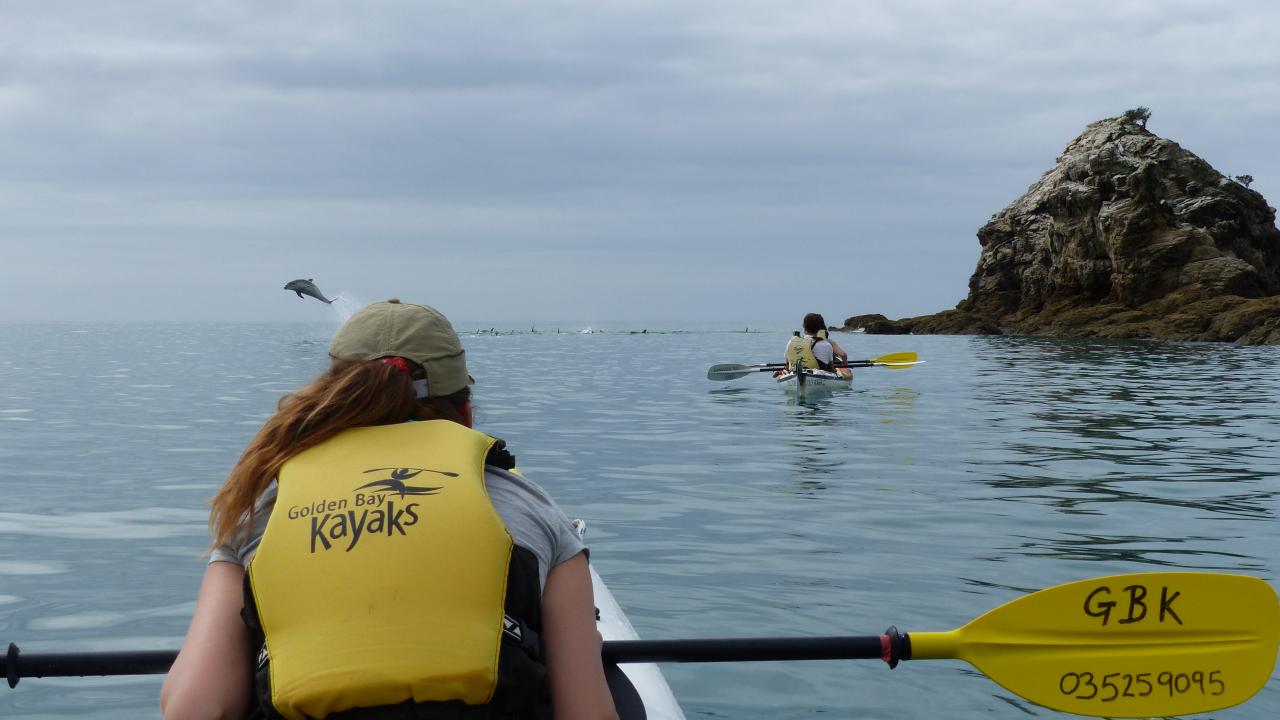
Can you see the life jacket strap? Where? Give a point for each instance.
(813, 341)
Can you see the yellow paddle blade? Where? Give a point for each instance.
(1143, 645)
(898, 357)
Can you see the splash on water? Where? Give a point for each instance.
(345, 305)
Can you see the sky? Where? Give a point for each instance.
(573, 160)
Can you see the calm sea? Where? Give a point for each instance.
(921, 498)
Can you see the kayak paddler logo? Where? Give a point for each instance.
(396, 483)
(383, 506)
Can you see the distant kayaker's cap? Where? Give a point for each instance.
(414, 332)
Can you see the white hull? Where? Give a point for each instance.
(645, 679)
(814, 382)
(659, 702)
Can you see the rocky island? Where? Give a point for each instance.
(1128, 236)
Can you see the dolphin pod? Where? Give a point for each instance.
(307, 287)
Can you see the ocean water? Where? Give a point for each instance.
(920, 498)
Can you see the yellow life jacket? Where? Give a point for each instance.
(382, 576)
(800, 352)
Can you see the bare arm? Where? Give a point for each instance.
(841, 355)
(578, 687)
(212, 676)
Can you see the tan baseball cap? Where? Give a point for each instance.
(414, 332)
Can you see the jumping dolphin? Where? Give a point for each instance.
(307, 287)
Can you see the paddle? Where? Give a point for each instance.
(1142, 645)
(733, 371)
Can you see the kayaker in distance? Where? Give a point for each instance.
(814, 349)
(471, 601)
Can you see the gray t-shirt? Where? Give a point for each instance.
(531, 516)
(824, 352)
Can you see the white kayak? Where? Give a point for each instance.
(806, 382)
(640, 692)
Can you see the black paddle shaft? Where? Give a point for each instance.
(890, 647)
(78, 664)
(834, 366)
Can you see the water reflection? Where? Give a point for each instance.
(809, 428)
(814, 398)
(1013, 700)
(1148, 454)
(819, 402)
(1187, 552)
(810, 461)
(896, 405)
(723, 394)
(1166, 425)
(1249, 506)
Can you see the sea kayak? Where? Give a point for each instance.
(640, 692)
(806, 382)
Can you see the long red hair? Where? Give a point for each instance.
(349, 394)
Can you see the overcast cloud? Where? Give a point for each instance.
(574, 160)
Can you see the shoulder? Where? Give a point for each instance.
(245, 542)
(532, 517)
(507, 481)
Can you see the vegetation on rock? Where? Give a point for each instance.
(1138, 115)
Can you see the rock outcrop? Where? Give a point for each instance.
(1128, 236)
